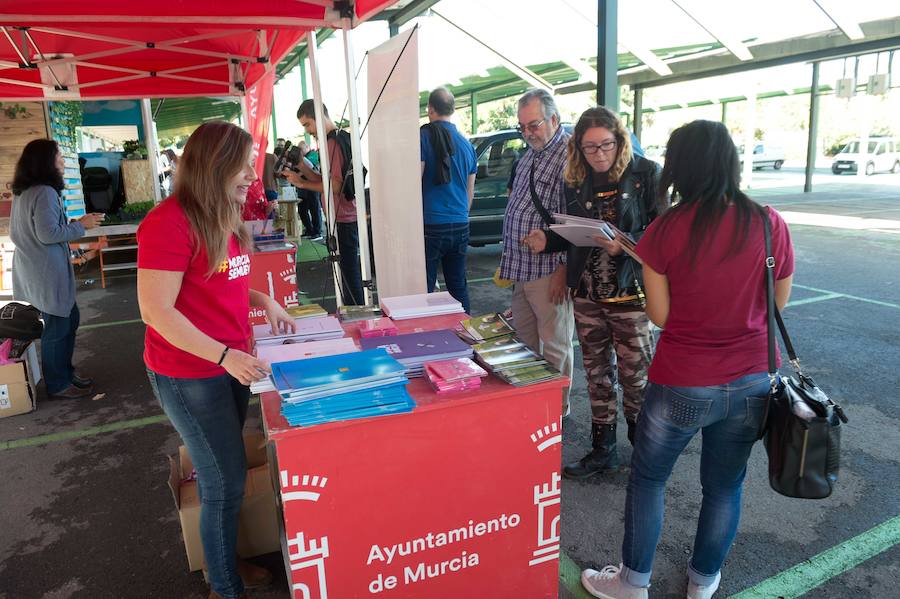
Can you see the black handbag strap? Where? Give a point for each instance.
(548, 220)
(773, 316)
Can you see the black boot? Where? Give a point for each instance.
(632, 426)
(601, 458)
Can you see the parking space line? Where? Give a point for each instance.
(89, 432)
(813, 300)
(81, 433)
(848, 296)
(100, 325)
(570, 576)
(833, 562)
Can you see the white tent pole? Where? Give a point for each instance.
(358, 181)
(152, 146)
(322, 143)
(245, 115)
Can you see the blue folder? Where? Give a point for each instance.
(334, 372)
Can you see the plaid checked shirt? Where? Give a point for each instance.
(517, 262)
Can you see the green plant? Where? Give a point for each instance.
(12, 111)
(68, 116)
(138, 208)
(134, 148)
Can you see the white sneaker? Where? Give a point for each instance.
(696, 591)
(606, 584)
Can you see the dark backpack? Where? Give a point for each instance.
(348, 185)
(20, 321)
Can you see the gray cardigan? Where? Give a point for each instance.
(42, 271)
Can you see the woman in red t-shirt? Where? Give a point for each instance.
(194, 295)
(704, 264)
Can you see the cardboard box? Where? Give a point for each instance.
(17, 383)
(259, 522)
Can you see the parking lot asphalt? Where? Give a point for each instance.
(86, 511)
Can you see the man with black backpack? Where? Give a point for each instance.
(340, 160)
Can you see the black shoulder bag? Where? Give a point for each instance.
(802, 426)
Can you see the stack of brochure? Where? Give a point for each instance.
(580, 231)
(461, 374)
(513, 361)
(351, 313)
(341, 387)
(482, 328)
(307, 329)
(306, 311)
(273, 354)
(377, 327)
(404, 307)
(414, 349)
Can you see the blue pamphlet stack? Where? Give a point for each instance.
(414, 349)
(341, 387)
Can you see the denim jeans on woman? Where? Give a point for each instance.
(57, 349)
(729, 416)
(446, 245)
(209, 415)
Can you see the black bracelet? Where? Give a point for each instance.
(222, 357)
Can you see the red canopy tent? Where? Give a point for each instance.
(61, 50)
(110, 49)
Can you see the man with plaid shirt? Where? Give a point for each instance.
(541, 306)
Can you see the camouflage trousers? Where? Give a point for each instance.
(610, 332)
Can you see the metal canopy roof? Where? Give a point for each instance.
(705, 38)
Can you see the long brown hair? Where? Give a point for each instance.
(577, 167)
(214, 154)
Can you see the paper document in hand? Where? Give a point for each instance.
(579, 231)
(581, 235)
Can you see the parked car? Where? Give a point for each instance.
(496, 153)
(883, 155)
(764, 155)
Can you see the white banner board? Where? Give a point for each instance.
(395, 166)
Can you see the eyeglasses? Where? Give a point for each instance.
(606, 146)
(531, 127)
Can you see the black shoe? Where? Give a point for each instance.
(82, 382)
(603, 456)
(600, 459)
(72, 392)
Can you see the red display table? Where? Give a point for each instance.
(273, 273)
(459, 498)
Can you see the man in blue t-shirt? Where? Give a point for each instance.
(448, 185)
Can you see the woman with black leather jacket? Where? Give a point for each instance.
(603, 180)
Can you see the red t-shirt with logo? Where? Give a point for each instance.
(716, 329)
(218, 305)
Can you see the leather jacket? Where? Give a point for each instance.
(636, 206)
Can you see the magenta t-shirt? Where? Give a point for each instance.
(716, 329)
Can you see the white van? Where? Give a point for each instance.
(764, 155)
(883, 155)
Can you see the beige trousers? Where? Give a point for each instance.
(544, 326)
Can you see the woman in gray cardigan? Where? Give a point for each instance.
(42, 271)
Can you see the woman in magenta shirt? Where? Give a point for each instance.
(194, 295)
(704, 279)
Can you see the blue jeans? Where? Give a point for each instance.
(446, 245)
(729, 416)
(351, 273)
(209, 415)
(57, 349)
